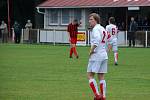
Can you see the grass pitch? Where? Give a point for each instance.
(44, 72)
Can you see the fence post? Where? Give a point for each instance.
(146, 39)
(54, 33)
(88, 37)
(126, 33)
(38, 35)
(13, 34)
(22, 35)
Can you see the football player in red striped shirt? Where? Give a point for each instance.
(72, 30)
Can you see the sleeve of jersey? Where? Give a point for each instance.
(96, 37)
(106, 28)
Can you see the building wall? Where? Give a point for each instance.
(121, 14)
(47, 25)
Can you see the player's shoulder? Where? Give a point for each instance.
(70, 24)
(102, 28)
(113, 25)
(108, 26)
(98, 27)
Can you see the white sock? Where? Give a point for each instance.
(103, 89)
(116, 57)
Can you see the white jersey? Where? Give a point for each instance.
(99, 38)
(113, 30)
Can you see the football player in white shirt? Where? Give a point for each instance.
(113, 30)
(97, 57)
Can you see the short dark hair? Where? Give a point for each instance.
(112, 20)
(75, 20)
(96, 17)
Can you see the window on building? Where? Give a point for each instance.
(77, 14)
(53, 17)
(65, 16)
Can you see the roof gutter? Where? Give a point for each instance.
(114, 6)
(38, 10)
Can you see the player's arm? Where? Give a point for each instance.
(80, 23)
(92, 49)
(95, 42)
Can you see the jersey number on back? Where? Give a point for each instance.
(113, 31)
(104, 35)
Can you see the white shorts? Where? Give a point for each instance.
(97, 66)
(114, 45)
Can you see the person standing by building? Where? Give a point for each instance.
(28, 24)
(113, 30)
(97, 57)
(4, 31)
(72, 30)
(132, 30)
(145, 24)
(28, 33)
(17, 31)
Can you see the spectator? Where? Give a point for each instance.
(28, 25)
(4, 31)
(28, 34)
(17, 30)
(145, 24)
(132, 30)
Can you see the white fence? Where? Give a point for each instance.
(60, 36)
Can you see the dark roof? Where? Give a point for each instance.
(92, 3)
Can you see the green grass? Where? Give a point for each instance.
(44, 72)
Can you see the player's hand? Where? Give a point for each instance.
(80, 23)
(91, 52)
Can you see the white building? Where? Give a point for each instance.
(59, 13)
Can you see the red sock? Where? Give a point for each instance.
(75, 52)
(71, 51)
(101, 88)
(93, 89)
(93, 86)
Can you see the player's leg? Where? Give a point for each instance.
(116, 57)
(71, 50)
(71, 47)
(102, 85)
(115, 50)
(102, 82)
(75, 51)
(74, 41)
(92, 82)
